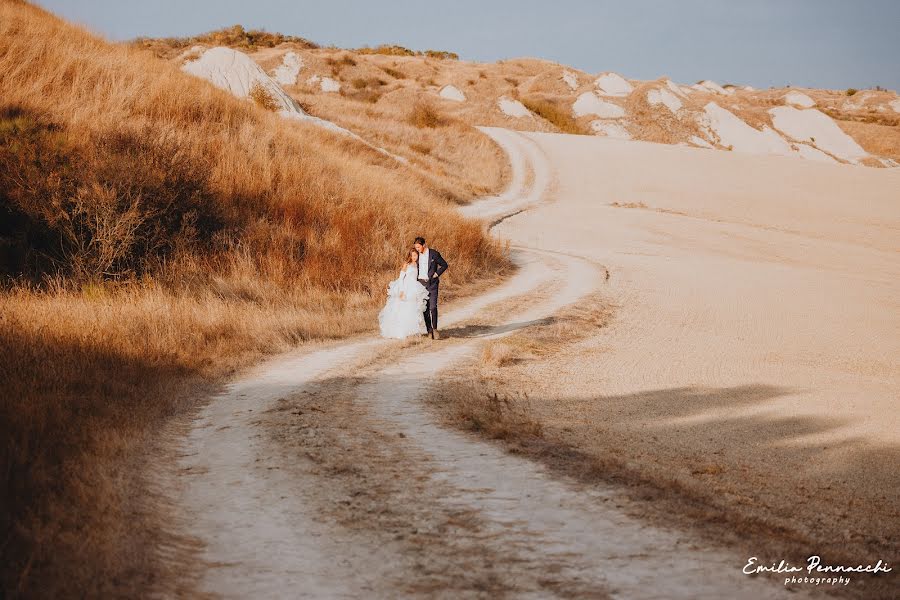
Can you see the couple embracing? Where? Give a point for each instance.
(412, 304)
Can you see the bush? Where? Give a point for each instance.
(395, 50)
(93, 206)
(262, 97)
(442, 54)
(425, 115)
(851, 91)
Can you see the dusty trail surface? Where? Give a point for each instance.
(323, 474)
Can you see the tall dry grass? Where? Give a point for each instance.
(446, 155)
(557, 113)
(157, 233)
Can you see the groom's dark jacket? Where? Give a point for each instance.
(436, 266)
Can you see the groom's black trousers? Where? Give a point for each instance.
(431, 309)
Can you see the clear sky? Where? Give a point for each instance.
(816, 43)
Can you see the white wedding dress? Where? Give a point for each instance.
(403, 315)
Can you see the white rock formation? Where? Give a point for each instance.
(613, 84)
(286, 73)
(512, 108)
(799, 99)
(665, 97)
(732, 132)
(816, 128)
(589, 104)
(449, 92)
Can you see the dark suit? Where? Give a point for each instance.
(436, 266)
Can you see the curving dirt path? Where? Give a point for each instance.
(322, 474)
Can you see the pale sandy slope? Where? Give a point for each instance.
(735, 272)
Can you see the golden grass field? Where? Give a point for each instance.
(157, 234)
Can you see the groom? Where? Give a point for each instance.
(431, 266)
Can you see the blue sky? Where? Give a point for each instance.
(817, 43)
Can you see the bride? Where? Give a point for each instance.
(403, 315)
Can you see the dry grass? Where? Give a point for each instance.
(461, 162)
(560, 116)
(498, 354)
(502, 418)
(156, 232)
(263, 97)
(395, 73)
(424, 114)
(509, 351)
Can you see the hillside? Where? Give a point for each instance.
(157, 234)
(359, 88)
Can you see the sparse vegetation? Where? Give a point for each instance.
(442, 55)
(365, 89)
(499, 354)
(233, 37)
(852, 91)
(395, 50)
(502, 418)
(340, 63)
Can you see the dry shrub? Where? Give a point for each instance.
(338, 64)
(424, 114)
(88, 205)
(365, 89)
(395, 73)
(421, 148)
(559, 116)
(262, 97)
(442, 54)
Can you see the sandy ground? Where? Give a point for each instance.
(734, 271)
(753, 353)
(325, 474)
